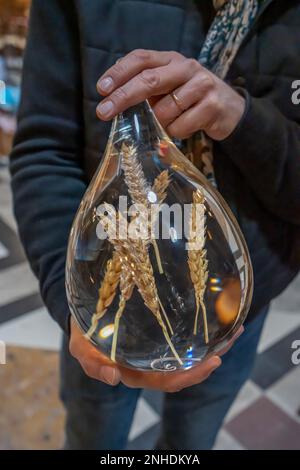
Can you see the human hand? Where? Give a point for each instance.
(200, 100)
(99, 367)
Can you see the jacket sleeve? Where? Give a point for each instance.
(47, 175)
(266, 148)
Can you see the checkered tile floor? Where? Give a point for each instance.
(266, 414)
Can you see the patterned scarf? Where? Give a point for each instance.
(232, 23)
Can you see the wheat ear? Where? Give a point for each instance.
(138, 189)
(107, 291)
(135, 258)
(126, 288)
(160, 186)
(137, 184)
(197, 260)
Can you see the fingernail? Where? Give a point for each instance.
(110, 375)
(105, 84)
(106, 108)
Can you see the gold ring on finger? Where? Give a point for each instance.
(177, 101)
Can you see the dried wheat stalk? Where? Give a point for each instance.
(126, 288)
(135, 258)
(107, 291)
(197, 260)
(138, 189)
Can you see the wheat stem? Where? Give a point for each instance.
(197, 314)
(203, 307)
(168, 339)
(165, 315)
(116, 328)
(157, 256)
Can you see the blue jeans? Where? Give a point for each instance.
(99, 416)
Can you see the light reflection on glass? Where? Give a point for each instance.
(190, 352)
(107, 331)
(216, 289)
(173, 234)
(152, 197)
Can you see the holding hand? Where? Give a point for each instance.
(99, 367)
(186, 96)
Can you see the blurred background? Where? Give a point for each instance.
(266, 414)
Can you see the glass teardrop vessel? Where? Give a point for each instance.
(158, 275)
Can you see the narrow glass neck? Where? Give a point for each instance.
(137, 126)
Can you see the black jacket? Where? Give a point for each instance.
(59, 141)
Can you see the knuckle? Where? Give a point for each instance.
(141, 55)
(195, 89)
(213, 105)
(193, 65)
(120, 68)
(120, 94)
(176, 56)
(150, 78)
(201, 85)
(206, 81)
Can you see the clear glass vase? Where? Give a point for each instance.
(158, 275)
